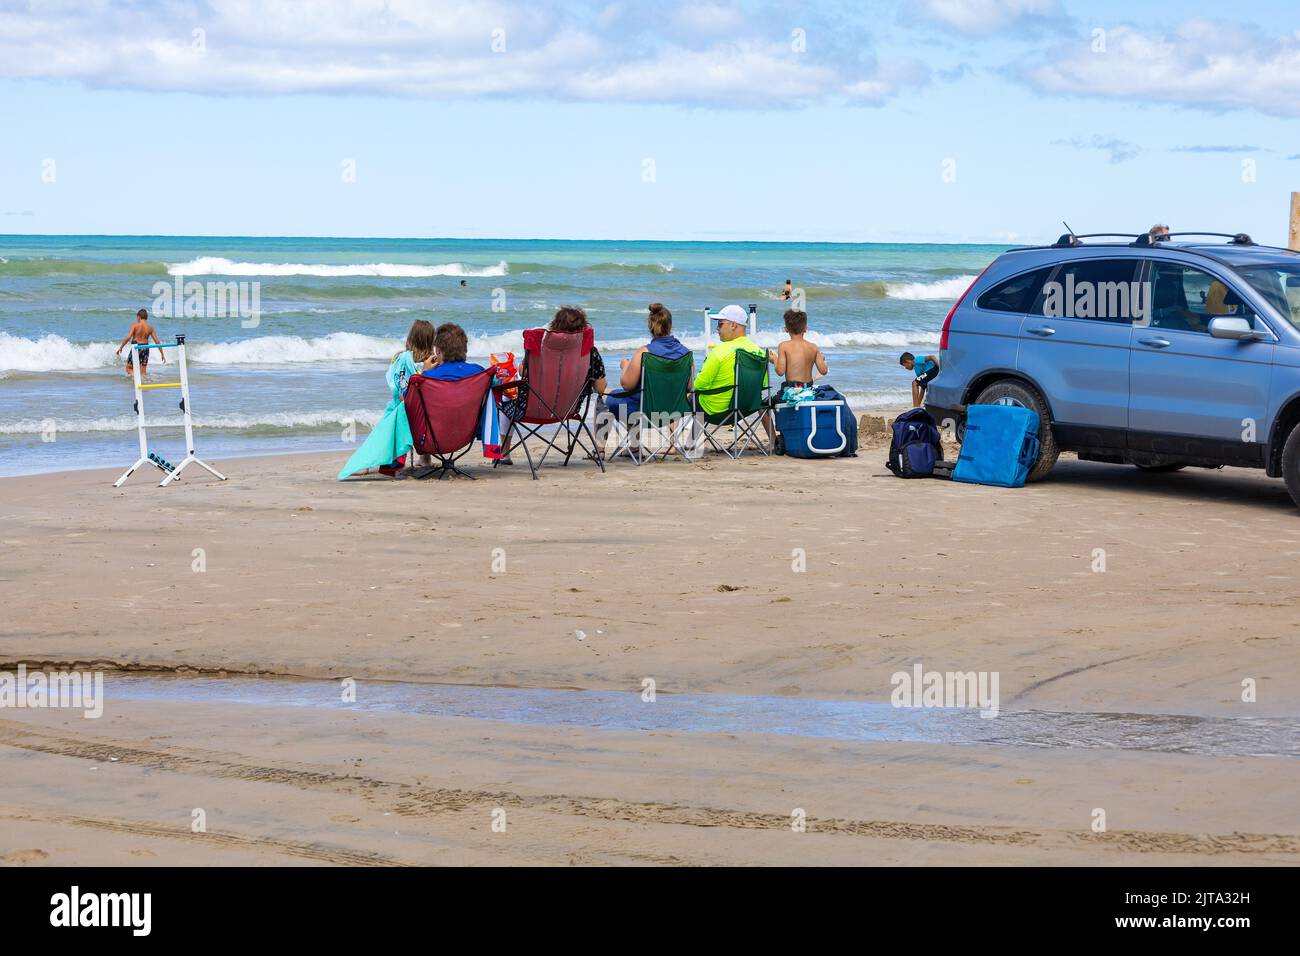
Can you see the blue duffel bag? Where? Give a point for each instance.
(999, 447)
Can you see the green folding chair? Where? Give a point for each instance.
(750, 401)
(665, 410)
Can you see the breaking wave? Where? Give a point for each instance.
(939, 289)
(267, 423)
(53, 353)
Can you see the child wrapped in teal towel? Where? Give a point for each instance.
(390, 440)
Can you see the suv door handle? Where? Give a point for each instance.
(1042, 330)
(1156, 343)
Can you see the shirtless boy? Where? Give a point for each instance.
(796, 357)
(140, 333)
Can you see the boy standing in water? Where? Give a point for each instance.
(139, 334)
(796, 357)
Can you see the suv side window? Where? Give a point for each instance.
(1016, 294)
(1103, 290)
(1185, 299)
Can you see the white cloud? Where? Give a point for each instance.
(1202, 64)
(709, 18)
(988, 16)
(688, 53)
(1118, 150)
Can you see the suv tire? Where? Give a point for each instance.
(1011, 392)
(1291, 464)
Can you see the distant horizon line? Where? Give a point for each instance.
(773, 242)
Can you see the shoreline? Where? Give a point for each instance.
(115, 474)
(883, 414)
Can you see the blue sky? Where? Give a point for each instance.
(935, 120)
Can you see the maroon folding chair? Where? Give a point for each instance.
(444, 416)
(554, 390)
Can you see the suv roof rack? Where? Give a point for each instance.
(1144, 240)
(1234, 238)
(1069, 239)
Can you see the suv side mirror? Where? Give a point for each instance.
(1235, 327)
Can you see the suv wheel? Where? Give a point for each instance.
(1010, 392)
(1291, 464)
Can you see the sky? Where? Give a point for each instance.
(929, 120)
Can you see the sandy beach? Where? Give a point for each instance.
(684, 574)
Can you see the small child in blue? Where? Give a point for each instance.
(924, 370)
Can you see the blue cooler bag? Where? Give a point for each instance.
(817, 429)
(1000, 445)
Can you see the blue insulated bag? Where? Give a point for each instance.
(1000, 445)
(822, 427)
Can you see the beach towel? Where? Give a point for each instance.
(390, 439)
(490, 430)
(794, 394)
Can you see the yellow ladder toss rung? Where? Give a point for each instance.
(163, 385)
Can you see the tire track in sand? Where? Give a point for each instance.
(317, 852)
(413, 800)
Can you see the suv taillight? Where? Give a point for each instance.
(943, 336)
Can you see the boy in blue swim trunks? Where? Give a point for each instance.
(923, 371)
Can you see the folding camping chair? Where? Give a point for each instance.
(665, 410)
(555, 389)
(749, 402)
(445, 418)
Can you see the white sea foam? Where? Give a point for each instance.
(878, 399)
(365, 417)
(827, 340)
(54, 353)
(940, 289)
(513, 341)
(217, 266)
(294, 349)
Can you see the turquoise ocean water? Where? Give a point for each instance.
(334, 311)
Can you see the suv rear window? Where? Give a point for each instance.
(1016, 294)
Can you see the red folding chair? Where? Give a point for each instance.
(554, 391)
(445, 416)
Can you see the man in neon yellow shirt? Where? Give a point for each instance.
(719, 368)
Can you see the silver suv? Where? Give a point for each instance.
(1149, 351)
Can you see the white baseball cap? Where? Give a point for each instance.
(732, 313)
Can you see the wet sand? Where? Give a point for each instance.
(682, 574)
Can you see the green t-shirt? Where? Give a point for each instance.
(719, 369)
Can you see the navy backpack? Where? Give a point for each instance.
(915, 446)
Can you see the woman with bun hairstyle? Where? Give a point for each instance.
(662, 344)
